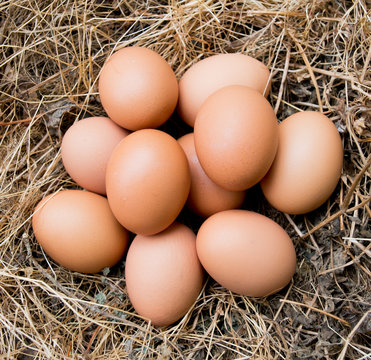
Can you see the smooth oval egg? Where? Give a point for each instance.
(86, 148)
(138, 89)
(307, 166)
(205, 197)
(211, 74)
(163, 274)
(148, 181)
(236, 137)
(77, 229)
(246, 252)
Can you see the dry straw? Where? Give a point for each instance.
(51, 53)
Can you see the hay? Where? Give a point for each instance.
(51, 54)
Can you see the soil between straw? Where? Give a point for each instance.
(51, 54)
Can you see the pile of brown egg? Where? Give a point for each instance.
(148, 177)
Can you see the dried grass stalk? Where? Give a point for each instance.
(51, 53)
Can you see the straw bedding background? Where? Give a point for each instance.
(51, 53)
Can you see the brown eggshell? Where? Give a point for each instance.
(163, 274)
(86, 148)
(205, 197)
(148, 181)
(211, 74)
(138, 89)
(246, 252)
(307, 166)
(78, 230)
(236, 137)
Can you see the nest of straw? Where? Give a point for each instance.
(51, 53)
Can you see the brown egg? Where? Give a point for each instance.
(148, 181)
(86, 149)
(205, 197)
(307, 166)
(163, 274)
(138, 88)
(78, 230)
(215, 72)
(236, 137)
(246, 252)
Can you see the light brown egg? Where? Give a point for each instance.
(148, 181)
(86, 148)
(236, 137)
(138, 89)
(246, 252)
(205, 197)
(215, 72)
(307, 166)
(163, 274)
(78, 230)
